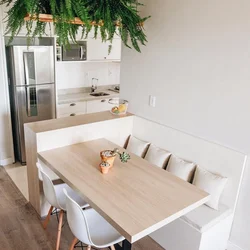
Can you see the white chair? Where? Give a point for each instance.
(89, 227)
(56, 198)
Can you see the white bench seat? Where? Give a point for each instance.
(205, 217)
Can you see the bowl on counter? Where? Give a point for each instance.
(120, 106)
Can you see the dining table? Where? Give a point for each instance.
(136, 198)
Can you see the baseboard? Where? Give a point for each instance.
(232, 246)
(5, 162)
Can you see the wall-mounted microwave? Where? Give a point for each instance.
(76, 52)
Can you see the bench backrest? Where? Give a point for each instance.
(208, 155)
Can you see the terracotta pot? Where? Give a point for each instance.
(104, 166)
(109, 159)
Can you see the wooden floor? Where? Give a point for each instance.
(21, 229)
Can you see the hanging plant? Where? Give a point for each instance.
(107, 16)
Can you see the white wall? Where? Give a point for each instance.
(79, 74)
(5, 138)
(197, 64)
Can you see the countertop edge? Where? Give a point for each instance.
(73, 121)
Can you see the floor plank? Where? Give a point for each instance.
(21, 229)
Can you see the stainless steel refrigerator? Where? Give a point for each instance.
(32, 89)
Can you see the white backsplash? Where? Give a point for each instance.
(79, 74)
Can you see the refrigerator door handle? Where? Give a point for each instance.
(26, 68)
(26, 78)
(28, 109)
(81, 52)
(29, 72)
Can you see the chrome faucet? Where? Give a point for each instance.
(94, 84)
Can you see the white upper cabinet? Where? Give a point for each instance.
(116, 48)
(98, 50)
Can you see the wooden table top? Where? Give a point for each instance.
(137, 198)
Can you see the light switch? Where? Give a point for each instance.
(152, 101)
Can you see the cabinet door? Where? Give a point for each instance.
(115, 53)
(98, 106)
(96, 50)
(71, 109)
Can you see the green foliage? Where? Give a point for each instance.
(108, 13)
(124, 157)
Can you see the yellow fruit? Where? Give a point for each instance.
(122, 108)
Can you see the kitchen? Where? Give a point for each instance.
(84, 79)
(179, 132)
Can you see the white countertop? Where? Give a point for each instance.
(81, 97)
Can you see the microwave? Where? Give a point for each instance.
(75, 52)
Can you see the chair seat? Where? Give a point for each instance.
(102, 233)
(62, 198)
(204, 217)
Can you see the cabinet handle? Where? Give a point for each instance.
(73, 114)
(103, 100)
(72, 104)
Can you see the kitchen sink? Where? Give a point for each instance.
(99, 94)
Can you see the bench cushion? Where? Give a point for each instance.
(137, 146)
(204, 217)
(181, 168)
(211, 183)
(157, 156)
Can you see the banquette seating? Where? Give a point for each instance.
(212, 167)
(207, 227)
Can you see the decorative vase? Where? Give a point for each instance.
(108, 156)
(104, 166)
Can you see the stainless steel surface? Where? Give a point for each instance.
(76, 52)
(94, 84)
(42, 109)
(32, 89)
(99, 94)
(30, 78)
(114, 90)
(22, 41)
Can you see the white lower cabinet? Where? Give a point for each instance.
(71, 109)
(80, 108)
(98, 106)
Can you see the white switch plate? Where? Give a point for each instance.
(152, 101)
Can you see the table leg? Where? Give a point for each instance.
(126, 245)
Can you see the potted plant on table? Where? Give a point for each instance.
(108, 158)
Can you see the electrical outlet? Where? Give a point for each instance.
(152, 101)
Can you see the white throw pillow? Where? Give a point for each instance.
(212, 184)
(157, 156)
(181, 168)
(137, 146)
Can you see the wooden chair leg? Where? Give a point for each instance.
(46, 222)
(59, 229)
(112, 247)
(73, 243)
(88, 247)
